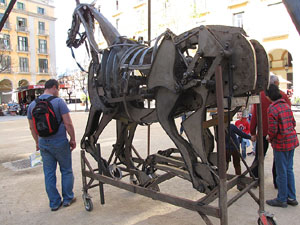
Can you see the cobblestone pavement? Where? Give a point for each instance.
(23, 199)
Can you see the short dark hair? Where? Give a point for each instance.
(50, 83)
(273, 92)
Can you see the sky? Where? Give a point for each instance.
(63, 12)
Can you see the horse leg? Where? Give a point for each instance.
(90, 128)
(131, 128)
(165, 102)
(201, 142)
(122, 148)
(93, 131)
(105, 119)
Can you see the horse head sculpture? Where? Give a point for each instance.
(178, 74)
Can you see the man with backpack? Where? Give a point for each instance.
(49, 120)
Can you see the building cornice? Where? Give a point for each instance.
(41, 3)
(139, 5)
(118, 14)
(238, 5)
(27, 13)
(276, 38)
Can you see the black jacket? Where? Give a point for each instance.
(234, 131)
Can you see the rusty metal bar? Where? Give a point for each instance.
(174, 200)
(101, 190)
(221, 148)
(260, 159)
(205, 219)
(253, 196)
(241, 193)
(83, 168)
(149, 133)
(149, 44)
(162, 178)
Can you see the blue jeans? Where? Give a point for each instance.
(244, 144)
(53, 152)
(183, 118)
(285, 175)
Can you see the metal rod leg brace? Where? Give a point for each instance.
(101, 190)
(221, 149)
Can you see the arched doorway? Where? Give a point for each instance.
(23, 83)
(22, 95)
(6, 89)
(41, 82)
(281, 64)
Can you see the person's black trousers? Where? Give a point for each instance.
(266, 145)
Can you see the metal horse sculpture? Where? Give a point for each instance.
(178, 72)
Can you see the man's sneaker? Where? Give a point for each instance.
(56, 208)
(70, 202)
(276, 203)
(292, 202)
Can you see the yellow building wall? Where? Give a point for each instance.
(30, 11)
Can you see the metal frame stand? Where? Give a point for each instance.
(265, 218)
(226, 181)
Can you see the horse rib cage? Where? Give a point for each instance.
(119, 64)
(134, 58)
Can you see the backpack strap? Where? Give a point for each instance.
(50, 98)
(45, 99)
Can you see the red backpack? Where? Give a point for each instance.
(44, 118)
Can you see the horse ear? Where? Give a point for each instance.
(94, 3)
(77, 2)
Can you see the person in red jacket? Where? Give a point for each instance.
(265, 102)
(283, 138)
(244, 126)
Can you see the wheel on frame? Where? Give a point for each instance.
(88, 204)
(268, 221)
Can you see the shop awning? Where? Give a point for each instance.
(39, 86)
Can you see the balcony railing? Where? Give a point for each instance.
(5, 47)
(43, 32)
(42, 51)
(23, 48)
(5, 69)
(43, 70)
(23, 70)
(22, 29)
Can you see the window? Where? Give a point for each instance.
(21, 24)
(6, 24)
(238, 19)
(42, 46)
(5, 63)
(289, 77)
(41, 28)
(117, 23)
(43, 66)
(5, 41)
(40, 10)
(20, 6)
(117, 4)
(24, 66)
(22, 43)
